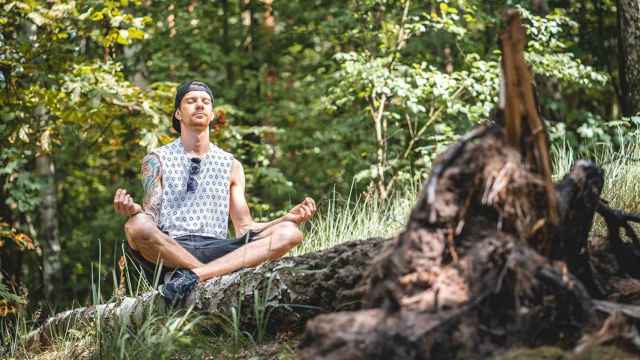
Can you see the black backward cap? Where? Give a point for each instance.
(182, 90)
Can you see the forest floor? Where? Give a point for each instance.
(193, 336)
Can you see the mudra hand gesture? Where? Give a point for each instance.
(302, 212)
(124, 204)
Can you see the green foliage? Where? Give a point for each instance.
(6, 298)
(412, 106)
(21, 187)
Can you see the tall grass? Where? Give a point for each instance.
(360, 217)
(356, 217)
(159, 336)
(621, 169)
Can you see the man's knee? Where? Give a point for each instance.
(289, 235)
(138, 230)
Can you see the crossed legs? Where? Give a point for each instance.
(144, 236)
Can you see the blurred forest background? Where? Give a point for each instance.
(316, 97)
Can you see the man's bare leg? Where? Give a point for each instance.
(144, 236)
(272, 244)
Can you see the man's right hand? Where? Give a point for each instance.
(124, 204)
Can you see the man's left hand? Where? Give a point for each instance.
(302, 212)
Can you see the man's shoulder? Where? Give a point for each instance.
(164, 149)
(224, 154)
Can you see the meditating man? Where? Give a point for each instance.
(191, 187)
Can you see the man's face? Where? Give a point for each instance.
(195, 111)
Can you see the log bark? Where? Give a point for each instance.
(294, 289)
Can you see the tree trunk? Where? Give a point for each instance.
(226, 47)
(48, 228)
(48, 216)
(294, 289)
(629, 55)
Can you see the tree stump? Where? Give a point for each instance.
(464, 279)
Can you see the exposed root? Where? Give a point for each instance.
(627, 253)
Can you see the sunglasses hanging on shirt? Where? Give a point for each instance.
(194, 169)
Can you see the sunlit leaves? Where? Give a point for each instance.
(22, 240)
(123, 29)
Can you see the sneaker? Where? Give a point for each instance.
(178, 285)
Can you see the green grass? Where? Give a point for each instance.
(621, 170)
(357, 217)
(159, 336)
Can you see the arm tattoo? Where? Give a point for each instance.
(152, 184)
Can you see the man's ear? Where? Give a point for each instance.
(178, 115)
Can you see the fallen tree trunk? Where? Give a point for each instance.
(294, 289)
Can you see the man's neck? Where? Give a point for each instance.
(195, 143)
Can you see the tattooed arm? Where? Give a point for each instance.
(152, 184)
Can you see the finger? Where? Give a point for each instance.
(311, 203)
(307, 212)
(122, 197)
(131, 205)
(115, 199)
(117, 202)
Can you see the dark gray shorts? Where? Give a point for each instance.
(203, 248)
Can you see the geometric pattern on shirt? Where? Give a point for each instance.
(203, 212)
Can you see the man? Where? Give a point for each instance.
(191, 187)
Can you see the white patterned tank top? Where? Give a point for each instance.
(204, 211)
